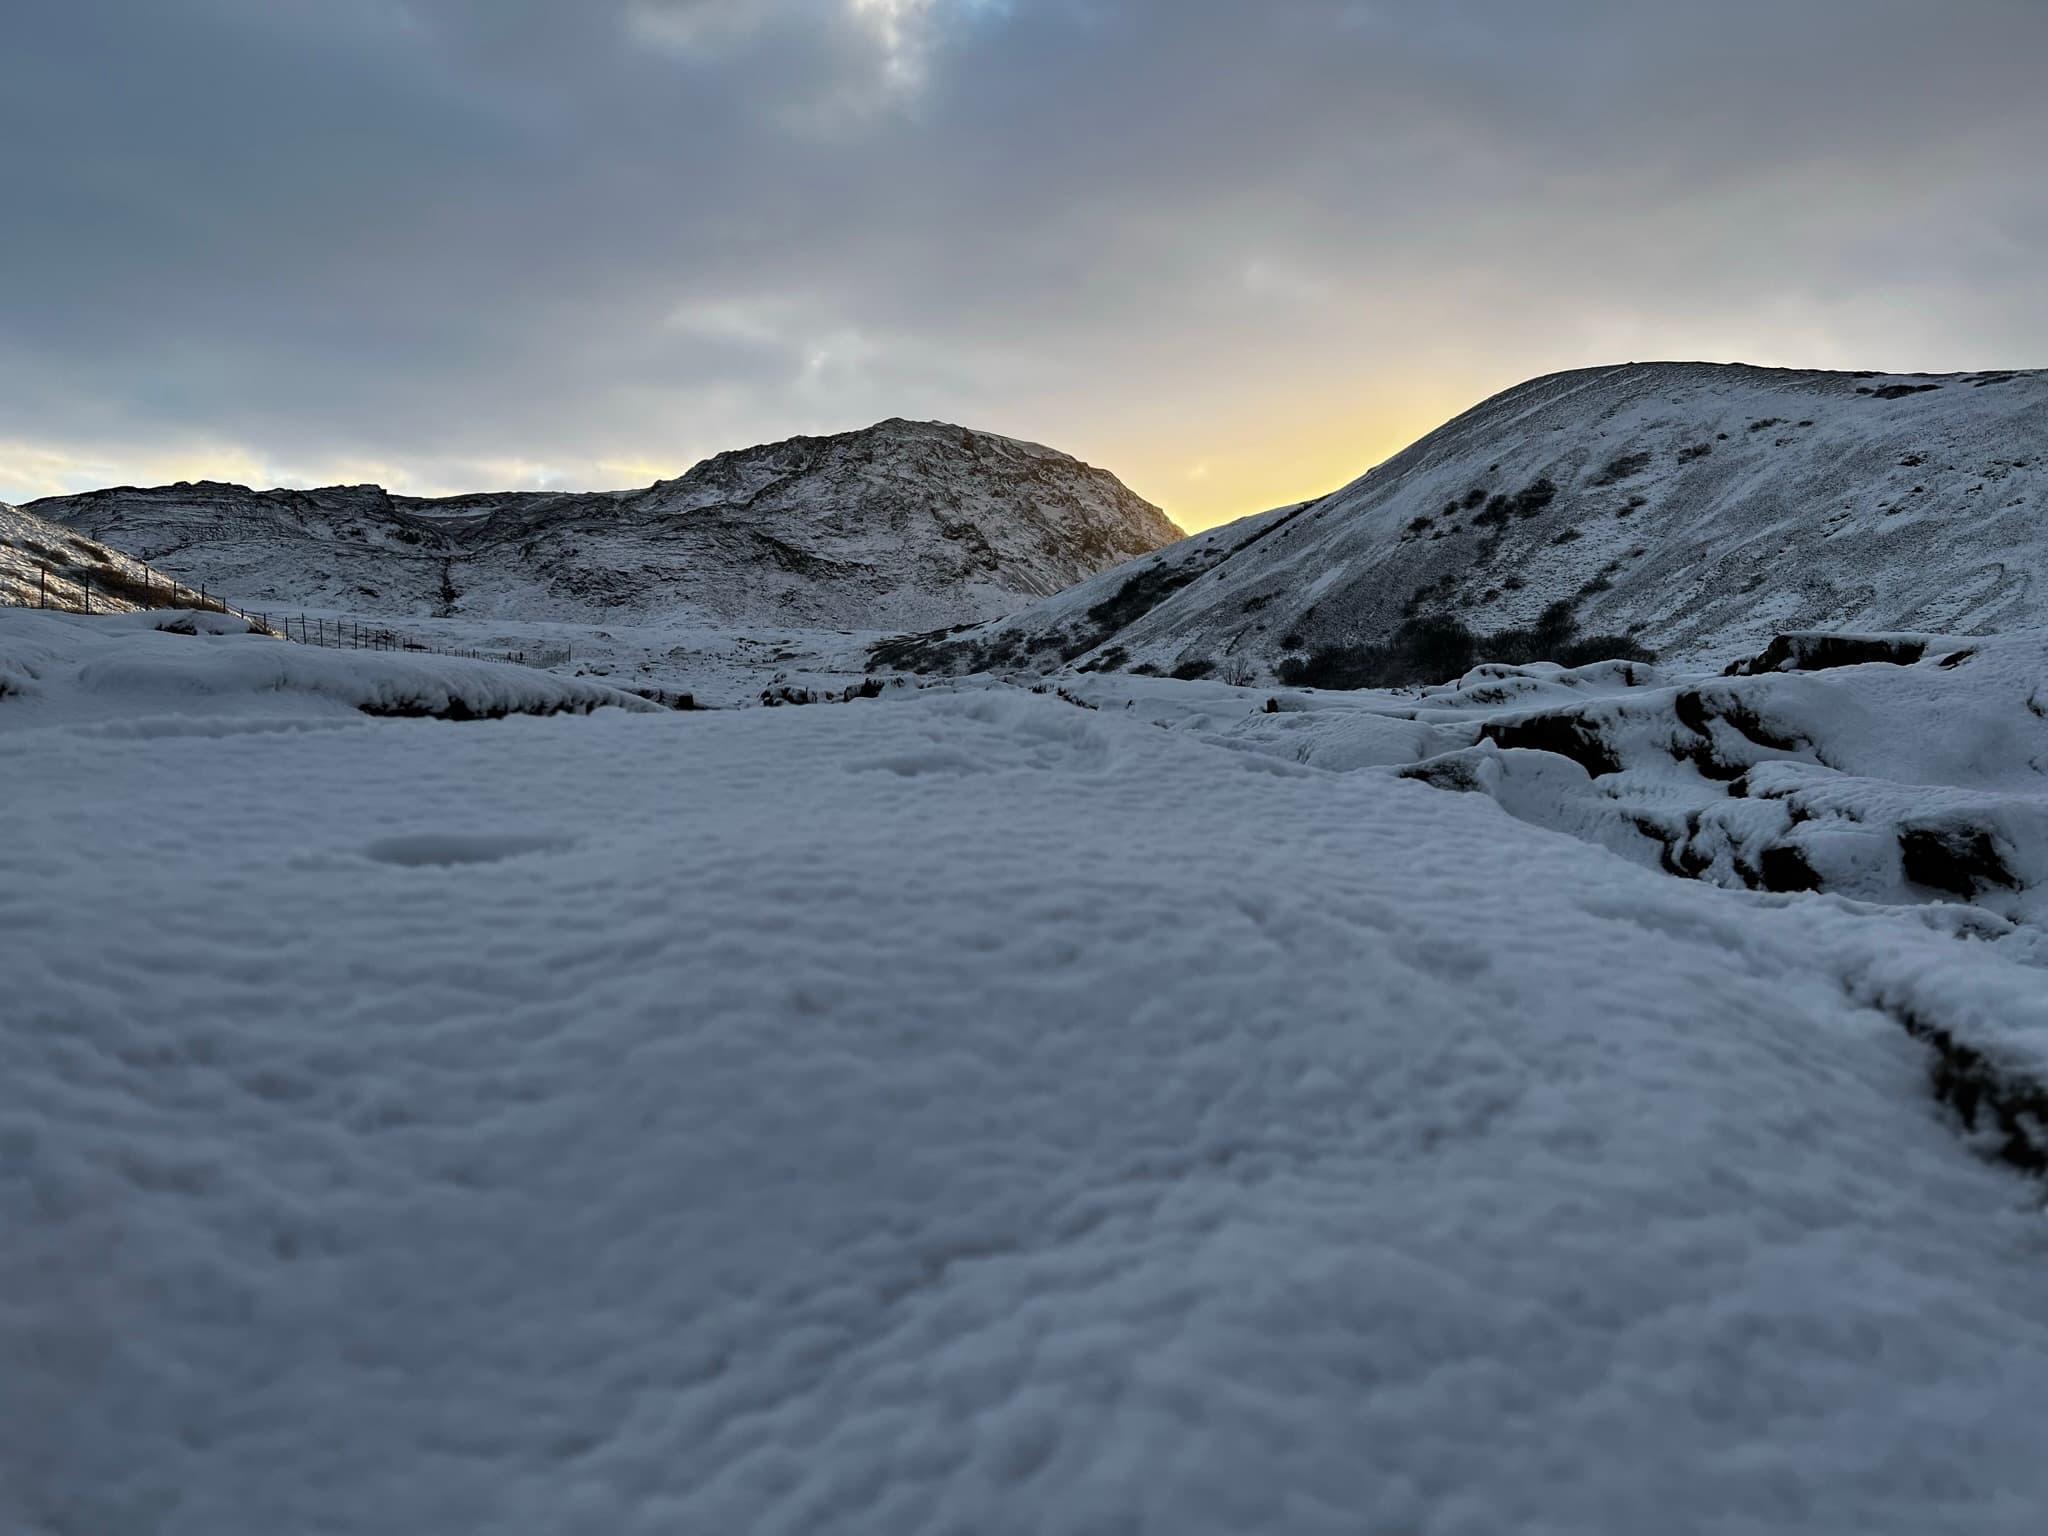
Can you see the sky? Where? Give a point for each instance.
(1234, 252)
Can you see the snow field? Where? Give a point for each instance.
(960, 1112)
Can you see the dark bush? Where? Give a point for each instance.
(1529, 501)
(1194, 667)
(1534, 497)
(1619, 469)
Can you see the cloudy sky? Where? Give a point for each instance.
(1234, 250)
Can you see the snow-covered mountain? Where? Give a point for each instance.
(904, 524)
(1692, 510)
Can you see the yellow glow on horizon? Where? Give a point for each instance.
(1279, 454)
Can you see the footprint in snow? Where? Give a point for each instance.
(445, 848)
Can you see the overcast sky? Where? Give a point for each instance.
(1235, 252)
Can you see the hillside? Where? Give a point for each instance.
(1691, 510)
(44, 561)
(903, 524)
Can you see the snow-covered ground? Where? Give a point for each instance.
(718, 665)
(967, 1110)
(145, 673)
(1921, 777)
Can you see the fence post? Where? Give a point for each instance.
(43, 586)
(85, 586)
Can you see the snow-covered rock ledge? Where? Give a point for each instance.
(62, 667)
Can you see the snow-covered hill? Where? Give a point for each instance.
(1688, 509)
(42, 561)
(905, 524)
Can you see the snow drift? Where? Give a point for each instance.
(152, 670)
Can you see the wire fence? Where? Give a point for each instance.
(118, 590)
(349, 635)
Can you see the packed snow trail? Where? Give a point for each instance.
(963, 1112)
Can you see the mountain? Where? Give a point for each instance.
(1689, 510)
(902, 524)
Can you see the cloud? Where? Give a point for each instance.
(456, 237)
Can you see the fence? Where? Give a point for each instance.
(348, 635)
(71, 591)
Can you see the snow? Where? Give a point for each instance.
(966, 1111)
(1845, 767)
(1700, 507)
(42, 561)
(718, 664)
(141, 671)
(901, 525)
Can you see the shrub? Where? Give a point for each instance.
(1194, 667)
(1534, 497)
(1624, 467)
(1529, 501)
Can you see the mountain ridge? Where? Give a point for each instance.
(901, 522)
